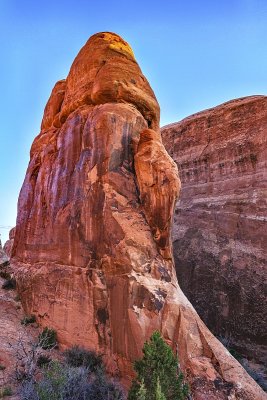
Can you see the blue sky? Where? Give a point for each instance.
(195, 53)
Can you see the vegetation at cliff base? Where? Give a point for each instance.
(62, 382)
(79, 376)
(5, 392)
(9, 284)
(78, 357)
(28, 319)
(158, 373)
(48, 339)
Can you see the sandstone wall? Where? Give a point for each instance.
(93, 260)
(220, 224)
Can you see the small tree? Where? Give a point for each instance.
(159, 372)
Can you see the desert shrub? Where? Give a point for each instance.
(103, 388)
(9, 284)
(62, 382)
(43, 361)
(4, 264)
(28, 391)
(48, 338)
(5, 274)
(78, 357)
(158, 373)
(27, 354)
(5, 391)
(30, 319)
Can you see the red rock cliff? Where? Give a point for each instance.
(220, 229)
(92, 247)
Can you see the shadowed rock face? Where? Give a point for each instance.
(9, 243)
(3, 257)
(220, 229)
(93, 260)
(159, 187)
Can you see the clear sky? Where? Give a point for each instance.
(195, 53)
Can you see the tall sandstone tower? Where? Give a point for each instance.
(92, 244)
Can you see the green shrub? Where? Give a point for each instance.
(158, 373)
(48, 338)
(2, 367)
(43, 361)
(79, 357)
(103, 388)
(62, 382)
(30, 319)
(5, 391)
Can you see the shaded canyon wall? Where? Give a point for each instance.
(220, 223)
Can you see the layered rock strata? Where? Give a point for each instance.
(92, 247)
(220, 223)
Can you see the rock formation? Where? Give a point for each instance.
(92, 259)
(3, 255)
(9, 243)
(220, 224)
(159, 187)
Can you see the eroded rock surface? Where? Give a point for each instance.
(93, 261)
(3, 256)
(9, 243)
(220, 224)
(159, 187)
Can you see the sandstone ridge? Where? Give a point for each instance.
(220, 223)
(93, 261)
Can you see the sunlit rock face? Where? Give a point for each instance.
(93, 259)
(220, 223)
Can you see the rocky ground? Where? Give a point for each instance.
(16, 339)
(11, 330)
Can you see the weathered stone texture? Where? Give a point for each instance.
(220, 224)
(88, 259)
